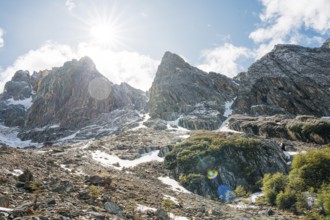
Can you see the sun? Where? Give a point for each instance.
(104, 33)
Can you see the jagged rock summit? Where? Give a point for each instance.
(182, 91)
(55, 103)
(73, 95)
(290, 79)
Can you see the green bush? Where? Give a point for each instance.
(273, 184)
(240, 192)
(310, 171)
(323, 198)
(285, 200)
(313, 167)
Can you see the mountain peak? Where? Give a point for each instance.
(326, 44)
(173, 60)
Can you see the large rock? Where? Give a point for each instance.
(73, 95)
(16, 99)
(208, 160)
(19, 87)
(181, 90)
(301, 128)
(289, 80)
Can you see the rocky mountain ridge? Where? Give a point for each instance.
(109, 141)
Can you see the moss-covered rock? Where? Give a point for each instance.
(207, 160)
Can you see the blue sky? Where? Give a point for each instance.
(127, 38)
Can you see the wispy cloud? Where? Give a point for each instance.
(70, 4)
(123, 66)
(49, 55)
(281, 21)
(1, 38)
(225, 59)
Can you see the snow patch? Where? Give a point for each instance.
(228, 110)
(17, 172)
(27, 103)
(146, 117)
(174, 184)
(109, 160)
(326, 118)
(143, 208)
(174, 217)
(242, 205)
(2, 209)
(173, 199)
(254, 196)
(225, 127)
(288, 156)
(8, 136)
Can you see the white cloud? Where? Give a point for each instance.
(49, 55)
(123, 66)
(283, 21)
(225, 59)
(1, 38)
(70, 4)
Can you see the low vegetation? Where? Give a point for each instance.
(205, 152)
(308, 179)
(309, 129)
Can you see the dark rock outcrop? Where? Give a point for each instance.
(289, 80)
(16, 99)
(73, 95)
(183, 90)
(301, 128)
(207, 160)
(19, 87)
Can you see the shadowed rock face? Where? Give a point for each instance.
(15, 91)
(290, 79)
(75, 94)
(183, 90)
(19, 87)
(236, 159)
(301, 128)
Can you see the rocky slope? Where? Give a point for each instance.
(290, 79)
(111, 174)
(80, 181)
(183, 91)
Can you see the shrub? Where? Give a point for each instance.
(168, 205)
(273, 185)
(285, 200)
(312, 167)
(323, 198)
(95, 192)
(240, 192)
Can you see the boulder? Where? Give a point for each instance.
(208, 162)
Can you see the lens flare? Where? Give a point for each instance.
(212, 174)
(225, 193)
(99, 88)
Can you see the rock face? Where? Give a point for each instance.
(73, 95)
(207, 160)
(181, 90)
(289, 80)
(301, 128)
(16, 99)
